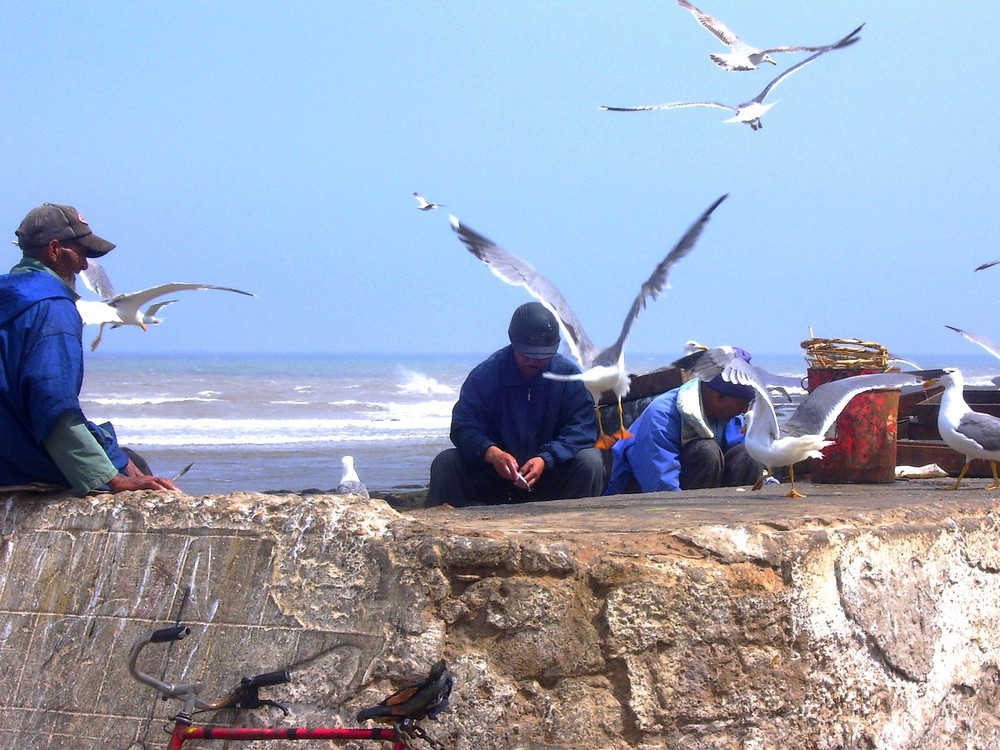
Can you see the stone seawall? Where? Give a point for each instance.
(861, 617)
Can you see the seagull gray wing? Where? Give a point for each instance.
(984, 266)
(97, 281)
(769, 50)
(714, 25)
(157, 306)
(984, 342)
(984, 429)
(820, 409)
(670, 105)
(845, 42)
(657, 282)
(518, 272)
(135, 300)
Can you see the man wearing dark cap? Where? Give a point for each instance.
(520, 436)
(687, 439)
(44, 437)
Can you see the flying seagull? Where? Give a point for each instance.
(741, 56)
(425, 205)
(751, 111)
(126, 309)
(350, 482)
(603, 369)
(971, 433)
(984, 266)
(803, 434)
(990, 346)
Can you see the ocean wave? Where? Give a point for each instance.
(161, 431)
(417, 383)
(147, 400)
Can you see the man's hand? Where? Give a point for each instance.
(132, 478)
(505, 465)
(532, 471)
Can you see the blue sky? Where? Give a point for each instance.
(275, 147)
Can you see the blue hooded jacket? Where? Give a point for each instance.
(553, 419)
(41, 373)
(652, 454)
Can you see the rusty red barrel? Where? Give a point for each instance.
(865, 447)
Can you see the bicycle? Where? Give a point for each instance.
(403, 710)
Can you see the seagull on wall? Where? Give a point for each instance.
(425, 205)
(971, 433)
(804, 434)
(750, 111)
(603, 369)
(741, 56)
(126, 309)
(350, 482)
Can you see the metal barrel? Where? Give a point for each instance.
(865, 434)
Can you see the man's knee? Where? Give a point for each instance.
(445, 480)
(702, 465)
(586, 474)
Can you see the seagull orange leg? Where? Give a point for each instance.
(604, 441)
(794, 493)
(622, 433)
(961, 476)
(996, 481)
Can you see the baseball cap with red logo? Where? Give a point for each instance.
(54, 222)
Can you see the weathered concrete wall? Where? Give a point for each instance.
(614, 623)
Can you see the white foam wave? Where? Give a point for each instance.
(416, 383)
(146, 400)
(275, 432)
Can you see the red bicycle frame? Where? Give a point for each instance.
(185, 729)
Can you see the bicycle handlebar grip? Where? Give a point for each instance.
(278, 677)
(170, 634)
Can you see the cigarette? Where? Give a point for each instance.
(523, 480)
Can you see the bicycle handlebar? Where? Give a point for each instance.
(169, 634)
(244, 695)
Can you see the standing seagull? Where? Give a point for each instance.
(741, 56)
(125, 309)
(603, 369)
(971, 433)
(350, 482)
(803, 434)
(425, 205)
(751, 111)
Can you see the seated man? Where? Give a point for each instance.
(44, 437)
(686, 439)
(520, 436)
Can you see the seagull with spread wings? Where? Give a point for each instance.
(741, 56)
(750, 111)
(126, 309)
(425, 205)
(603, 369)
(804, 434)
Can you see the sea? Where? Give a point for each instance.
(283, 422)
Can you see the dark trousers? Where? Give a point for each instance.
(705, 465)
(455, 483)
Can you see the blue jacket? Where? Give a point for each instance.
(553, 419)
(670, 421)
(41, 373)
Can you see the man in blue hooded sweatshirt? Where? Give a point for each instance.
(44, 437)
(518, 435)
